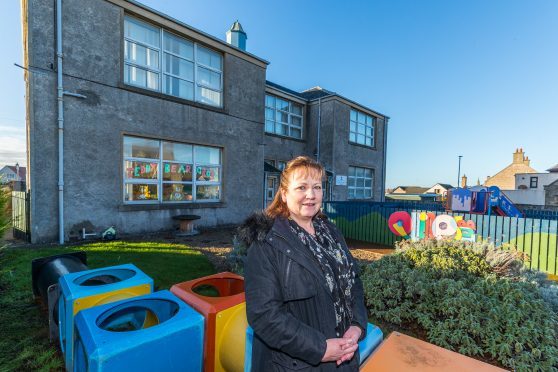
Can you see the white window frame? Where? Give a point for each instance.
(161, 73)
(159, 181)
(356, 178)
(354, 125)
(289, 114)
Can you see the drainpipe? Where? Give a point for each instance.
(60, 98)
(383, 193)
(319, 126)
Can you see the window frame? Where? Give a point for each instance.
(161, 69)
(535, 181)
(160, 169)
(356, 133)
(364, 178)
(289, 114)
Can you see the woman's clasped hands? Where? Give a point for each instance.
(340, 350)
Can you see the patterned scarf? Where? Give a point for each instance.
(336, 267)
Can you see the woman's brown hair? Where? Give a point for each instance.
(278, 208)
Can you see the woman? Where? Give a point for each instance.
(304, 299)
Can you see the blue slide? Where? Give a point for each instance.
(501, 204)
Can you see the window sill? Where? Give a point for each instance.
(285, 137)
(167, 97)
(158, 207)
(361, 145)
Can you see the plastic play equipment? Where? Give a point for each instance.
(86, 289)
(225, 318)
(154, 332)
(482, 200)
(45, 273)
(400, 224)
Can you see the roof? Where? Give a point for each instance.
(317, 93)
(22, 171)
(412, 189)
(270, 168)
(553, 169)
(446, 185)
(284, 89)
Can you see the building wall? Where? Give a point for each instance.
(94, 127)
(524, 179)
(551, 195)
(345, 154)
(526, 197)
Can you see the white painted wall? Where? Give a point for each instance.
(531, 196)
(524, 179)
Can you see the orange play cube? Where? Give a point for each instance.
(400, 352)
(228, 291)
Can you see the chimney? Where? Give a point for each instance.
(236, 36)
(527, 161)
(478, 181)
(464, 182)
(518, 156)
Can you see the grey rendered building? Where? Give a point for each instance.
(153, 118)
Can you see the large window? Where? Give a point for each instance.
(283, 117)
(170, 172)
(361, 128)
(158, 60)
(360, 182)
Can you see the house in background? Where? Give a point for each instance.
(14, 176)
(531, 189)
(161, 119)
(440, 189)
(412, 193)
(505, 179)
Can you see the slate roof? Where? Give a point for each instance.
(446, 186)
(284, 89)
(553, 169)
(315, 93)
(412, 189)
(22, 171)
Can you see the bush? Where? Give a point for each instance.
(460, 298)
(4, 215)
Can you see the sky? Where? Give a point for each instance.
(474, 78)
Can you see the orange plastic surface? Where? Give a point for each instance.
(400, 352)
(231, 293)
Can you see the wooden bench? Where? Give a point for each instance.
(186, 224)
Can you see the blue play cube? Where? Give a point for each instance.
(374, 337)
(155, 332)
(86, 289)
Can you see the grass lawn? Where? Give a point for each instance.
(24, 341)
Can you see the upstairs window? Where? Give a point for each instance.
(361, 128)
(283, 117)
(534, 182)
(158, 60)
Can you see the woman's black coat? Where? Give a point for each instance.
(288, 303)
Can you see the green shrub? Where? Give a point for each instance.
(461, 302)
(4, 215)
